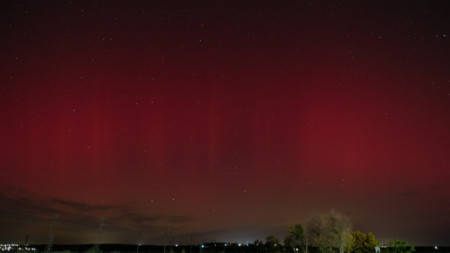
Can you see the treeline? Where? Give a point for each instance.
(331, 233)
(230, 248)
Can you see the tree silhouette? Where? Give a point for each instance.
(329, 231)
(362, 243)
(272, 242)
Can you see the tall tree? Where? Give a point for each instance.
(297, 234)
(329, 231)
(316, 233)
(362, 243)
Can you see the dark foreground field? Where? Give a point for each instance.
(207, 248)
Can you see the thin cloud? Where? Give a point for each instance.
(18, 209)
(81, 207)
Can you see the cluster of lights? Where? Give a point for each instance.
(247, 244)
(15, 247)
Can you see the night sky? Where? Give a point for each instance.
(196, 121)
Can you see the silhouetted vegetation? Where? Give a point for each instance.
(324, 233)
(398, 246)
(362, 242)
(329, 231)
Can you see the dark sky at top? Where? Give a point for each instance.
(223, 120)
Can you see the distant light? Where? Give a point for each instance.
(176, 245)
(203, 246)
(435, 247)
(225, 244)
(239, 245)
(296, 249)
